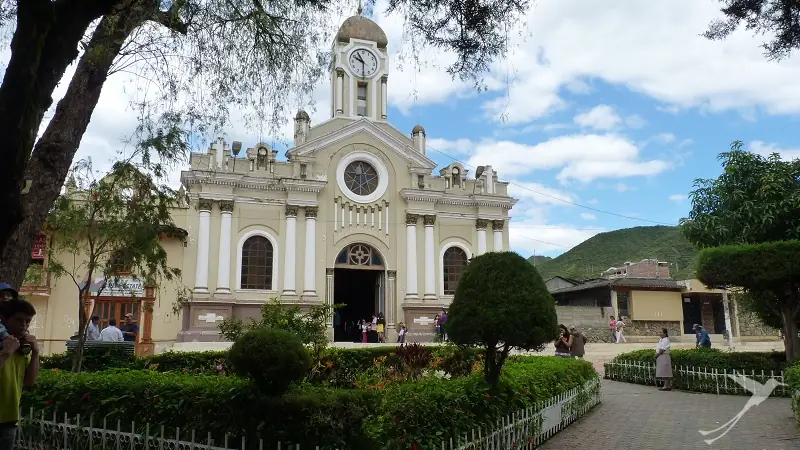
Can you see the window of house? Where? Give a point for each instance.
(361, 107)
(453, 264)
(421, 181)
(623, 307)
(257, 261)
(302, 170)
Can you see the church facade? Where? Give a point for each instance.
(355, 215)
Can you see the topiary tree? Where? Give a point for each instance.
(273, 358)
(769, 271)
(501, 303)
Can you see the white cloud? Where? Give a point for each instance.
(677, 198)
(527, 237)
(635, 121)
(653, 48)
(765, 149)
(601, 117)
(580, 157)
(587, 216)
(540, 194)
(458, 146)
(622, 187)
(664, 138)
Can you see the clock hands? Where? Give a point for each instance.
(361, 60)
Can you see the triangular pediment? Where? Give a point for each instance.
(404, 149)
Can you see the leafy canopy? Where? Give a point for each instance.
(501, 303)
(780, 19)
(757, 267)
(755, 199)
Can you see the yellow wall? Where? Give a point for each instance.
(696, 286)
(656, 305)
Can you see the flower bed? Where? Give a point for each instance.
(702, 370)
(792, 376)
(411, 409)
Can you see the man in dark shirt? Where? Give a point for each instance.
(130, 328)
(703, 339)
(578, 343)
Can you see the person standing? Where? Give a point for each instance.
(130, 328)
(578, 348)
(443, 324)
(564, 343)
(664, 361)
(381, 328)
(111, 333)
(703, 339)
(17, 370)
(93, 330)
(612, 325)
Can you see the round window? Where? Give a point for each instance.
(361, 178)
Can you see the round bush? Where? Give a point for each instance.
(272, 358)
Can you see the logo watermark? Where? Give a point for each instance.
(760, 392)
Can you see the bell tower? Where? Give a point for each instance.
(359, 72)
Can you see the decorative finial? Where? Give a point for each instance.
(360, 9)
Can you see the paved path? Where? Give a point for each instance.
(633, 417)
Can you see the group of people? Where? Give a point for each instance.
(127, 332)
(571, 343)
(617, 327)
(19, 360)
(373, 331)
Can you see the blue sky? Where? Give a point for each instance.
(616, 106)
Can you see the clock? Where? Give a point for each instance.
(363, 63)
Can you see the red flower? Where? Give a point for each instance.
(395, 420)
(155, 399)
(415, 447)
(55, 369)
(514, 444)
(48, 402)
(488, 396)
(85, 396)
(532, 441)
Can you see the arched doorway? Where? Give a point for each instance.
(359, 283)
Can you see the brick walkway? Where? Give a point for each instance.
(633, 417)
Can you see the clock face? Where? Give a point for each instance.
(363, 63)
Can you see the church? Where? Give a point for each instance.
(355, 215)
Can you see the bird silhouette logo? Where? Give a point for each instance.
(760, 392)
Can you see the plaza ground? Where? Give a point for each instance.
(634, 417)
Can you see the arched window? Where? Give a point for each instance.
(453, 263)
(257, 262)
(456, 177)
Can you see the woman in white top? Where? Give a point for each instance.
(664, 362)
(621, 331)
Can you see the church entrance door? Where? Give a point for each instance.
(358, 275)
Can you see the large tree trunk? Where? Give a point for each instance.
(791, 340)
(45, 43)
(52, 157)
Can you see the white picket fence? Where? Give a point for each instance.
(531, 427)
(698, 379)
(526, 429)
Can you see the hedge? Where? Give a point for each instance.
(792, 379)
(712, 359)
(397, 416)
(704, 370)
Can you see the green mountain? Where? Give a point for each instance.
(611, 249)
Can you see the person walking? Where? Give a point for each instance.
(620, 325)
(577, 350)
(664, 362)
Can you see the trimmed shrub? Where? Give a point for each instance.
(94, 359)
(792, 379)
(431, 411)
(713, 359)
(309, 416)
(273, 358)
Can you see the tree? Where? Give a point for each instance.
(756, 200)
(501, 303)
(208, 55)
(311, 327)
(770, 271)
(778, 18)
(102, 227)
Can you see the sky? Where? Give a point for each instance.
(601, 116)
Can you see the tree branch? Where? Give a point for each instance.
(171, 18)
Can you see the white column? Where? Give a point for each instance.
(309, 274)
(430, 285)
(387, 218)
(411, 255)
(384, 96)
(335, 214)
(391, 305)
(481, 224)
(290, 247)
(224, 262)
(726, 311)
(339, 94)
(497, 231)
(329, 299)
(203, 237)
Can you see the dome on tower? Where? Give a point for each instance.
(360, 27)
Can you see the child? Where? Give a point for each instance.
(438, 327)
(6, 293)
(364, 329)
(621, 331)
(401, 336)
